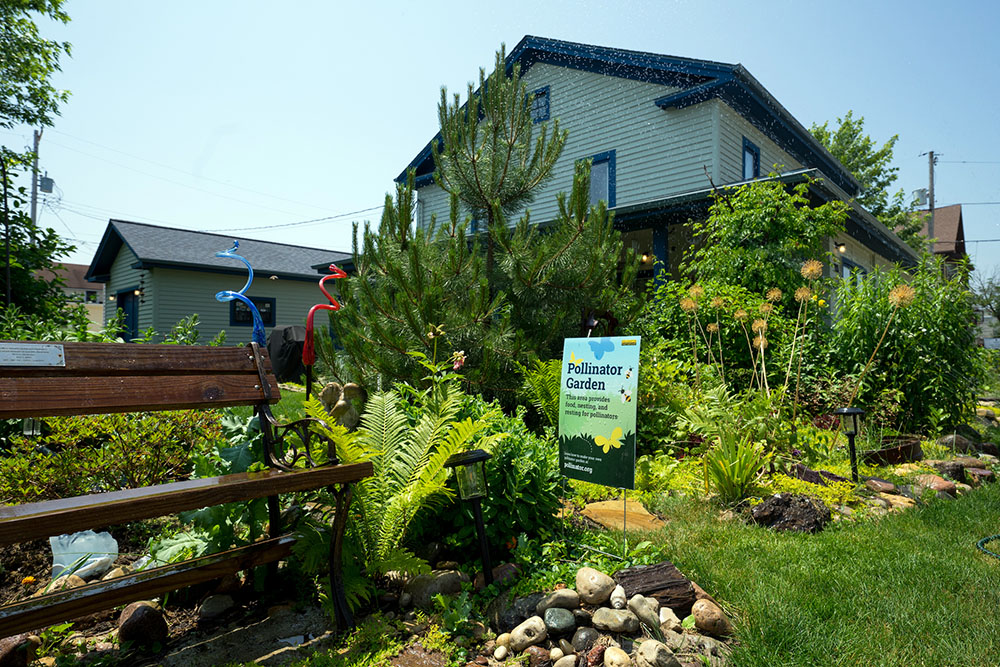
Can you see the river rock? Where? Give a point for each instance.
(566, 647)
(19, 650)
(214, 606)
(669, 620)
(595, 656)
(618, 599)
(652, 653)
(957, 443)
(880, 485)
(897, 502)
(583, 617)
(556, 654)
(935, 483)
(142, 623)
(708, 617)
(503, 639)
(529, 633)
(951, 469)
(500, 653)
(647, 610)
(661, 581)
(526, 605)
(594, 586)
(566, 661)
(615, 620)
(584, 638)
(615, 657)
(424, 587)
(791, 512)
(559, 621)
(538, 656)
(979, 476)
(564, 598)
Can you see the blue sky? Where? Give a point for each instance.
(222, 115)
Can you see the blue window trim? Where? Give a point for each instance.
(752, 147)
(530, 101)
(257, 301)
(609, 157)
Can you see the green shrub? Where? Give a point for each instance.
(734, 465)
(929, 351)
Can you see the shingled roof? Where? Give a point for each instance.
(948, 230)
(169, 247)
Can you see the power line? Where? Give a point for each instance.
(294, 224)
(969, 161)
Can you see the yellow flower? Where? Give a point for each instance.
(822, 303)
(766, 308)
(812, 269)
(688, 305)
(696, 291)
(27, 581)
(803, 294)
(773, 294)
(901, 296)
(758, 326)
(741, 315)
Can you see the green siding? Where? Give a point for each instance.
(124, 277)
(732, 129)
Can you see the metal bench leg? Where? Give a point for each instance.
(344, 618)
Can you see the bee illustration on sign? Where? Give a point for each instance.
(628, 374)
(626, 395)
(614, 440)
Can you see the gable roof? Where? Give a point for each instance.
(169, 247)
(74, 276)
(948, 230)
(700, 80)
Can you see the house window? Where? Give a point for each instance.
(240, 316)
(850, 271)
(602, 178)
(538, 101)
(751, 160)
(91, 296)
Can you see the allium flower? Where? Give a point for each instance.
(803, 294)
(766, 308)
(718, 302)
(758, 326)
(901, 296)
(812, 269)
(773, 294)
(759, 342)
(696, 291)
(712, 327)
(688, 305)
(741, 315)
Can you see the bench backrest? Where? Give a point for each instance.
(67, 378)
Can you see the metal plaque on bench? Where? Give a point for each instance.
(31, 354)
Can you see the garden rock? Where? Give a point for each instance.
(957, 443)
(501, 573)
(820, 477)
(526, 606)
(898, 502)
(117, 572)
(647, 610)
(142, 623)
(989, 449)
(503, 639)
(595, 656)
(880, 485)
(424, 587)
(962, 489)
(564, 598)
(661, 581)
(618, 599)
(792, 512)
(969, 462)
(556, 654)
(559, 621)
(566, 661)
(615, 620)
(214, 606)
(583, 616)
(584, 638)
(708, 617)
(979, 476)
(652, 653)
(935, 483)
(500, 653)
(538, 656)
(529, 633)
(615, 657)
(19, 650)
(566, 647)
(669, 620)
(593, 586)
(951, 469)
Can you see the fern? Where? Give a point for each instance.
(541, 384)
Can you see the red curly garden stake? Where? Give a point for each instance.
(309, 349)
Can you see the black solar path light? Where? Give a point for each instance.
(470, 470)
(849, 418)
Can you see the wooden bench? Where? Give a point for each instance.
(48, 379)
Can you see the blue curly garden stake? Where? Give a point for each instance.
(228, 295)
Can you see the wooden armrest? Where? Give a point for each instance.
(21, 523)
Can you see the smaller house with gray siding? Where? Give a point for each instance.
(663, 132)
(158, 275)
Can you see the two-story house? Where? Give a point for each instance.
(662, 131)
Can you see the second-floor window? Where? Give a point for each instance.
(751, 160)
(602, 178)
(538, 101)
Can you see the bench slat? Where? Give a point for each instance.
(21, 523)
(127, 359)
(59, 606)
(50, 396)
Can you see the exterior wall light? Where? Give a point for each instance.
(849, 418)
(842, 247)
(470, 470)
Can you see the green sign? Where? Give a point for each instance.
(597, 410)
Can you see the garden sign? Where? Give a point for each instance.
(597, 410)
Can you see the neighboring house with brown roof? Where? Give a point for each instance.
(948, 231)
(79, 289)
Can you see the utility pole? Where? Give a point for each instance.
(34, 186)
(6, 226)
(931, 160)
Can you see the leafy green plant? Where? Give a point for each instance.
(734, 466)
(456, 612)
(541, 385)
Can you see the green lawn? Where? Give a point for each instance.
(907, 589)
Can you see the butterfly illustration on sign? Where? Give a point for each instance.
(614, 440)
(573, 359)
(599, 347)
